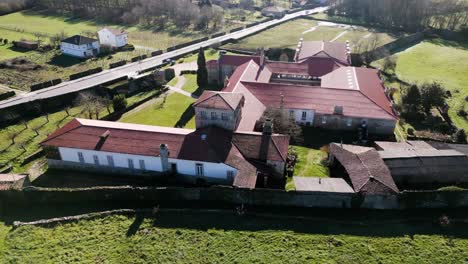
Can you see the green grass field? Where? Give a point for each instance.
(191, 83)
(226, 238)
(309, 164)
(14, 154)
(175, 110)
(441, 61)
(288, 34)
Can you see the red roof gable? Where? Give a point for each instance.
(219, 100)
(367, 171)
(219, 145)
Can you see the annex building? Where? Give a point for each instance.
(319, 88)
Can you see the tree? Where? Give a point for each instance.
(460, 136)
(411, 99)
(432, 95)
(202, 72)
(283, 124)
(389, 64)
(119, 102)
(12, 135)
(92, 104)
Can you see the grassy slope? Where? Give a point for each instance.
(442, 61)
(176, 239)
(167, 115)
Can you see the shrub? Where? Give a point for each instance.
(462, 113)
(460, 136)
(119, 102)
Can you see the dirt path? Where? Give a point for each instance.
(339, 36)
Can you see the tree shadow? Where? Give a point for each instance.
(188, 114)
(64, 61)
(318, 221)
(133, 229)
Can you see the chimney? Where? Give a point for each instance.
(102, 140)
(266, 138)
(262, 57)
(164, 155)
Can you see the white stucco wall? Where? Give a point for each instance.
(107, 38)
(79, 51)
(185, 167)
(298, 115)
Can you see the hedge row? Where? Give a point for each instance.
(236, 29)
(218, 35)
(156, 53)
(33, 156)
(7, 95)
(138, 58)
(85, 73)
(117, 64)
(188, 72)
(43, 85)
(252, 24)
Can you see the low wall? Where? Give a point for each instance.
(33, 196)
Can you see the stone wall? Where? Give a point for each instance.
(229, 196)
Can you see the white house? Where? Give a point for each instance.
(80, 46)
(210, 154)
(115, 38)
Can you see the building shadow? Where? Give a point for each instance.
(64, 61)
(188, 114)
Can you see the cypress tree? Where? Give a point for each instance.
(202, 72)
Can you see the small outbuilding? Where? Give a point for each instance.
(274, 11)
(13, 181)
(80, 46)
(113, 37)
(26, 44)
(423, 164)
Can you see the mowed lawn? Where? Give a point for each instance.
(226, 238)
(288, 34)
(309, 164)
(440, 61)
(176, 110)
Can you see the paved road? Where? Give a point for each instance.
(132, 68)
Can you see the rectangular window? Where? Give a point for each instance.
(224, 116)
(349, 122)
(291, 114)
(130, 164)
(96, 159)
(110, 161)
(324, 119)
(142, 165)
(214, 116)
(230, 175)
(199, 169)
(81, 157)
(304, 115)
(203, 114)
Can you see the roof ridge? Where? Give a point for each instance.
(370, 99)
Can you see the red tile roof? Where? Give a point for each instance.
(220, 146)
(366, 169)
(220, 100)
(321, 100)
(237, 60)
(315, 67)
(323, 49)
